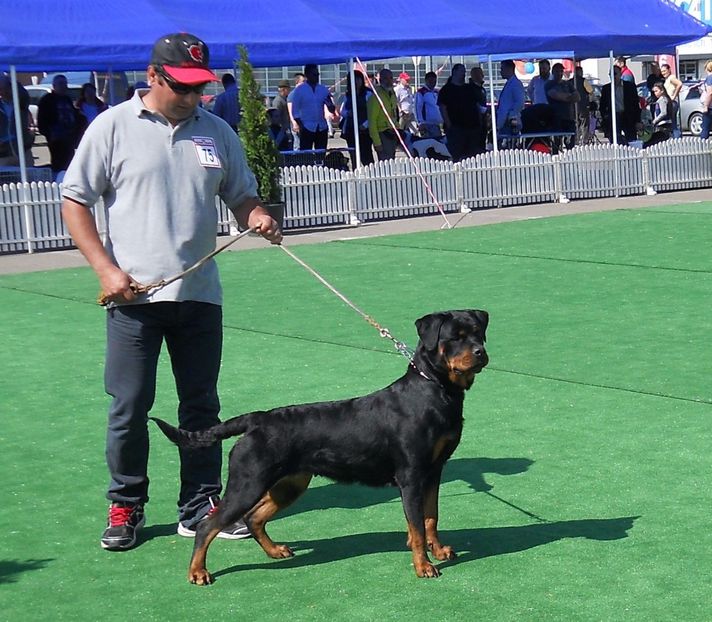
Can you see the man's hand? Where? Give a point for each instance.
(116, 286)
(266, 226)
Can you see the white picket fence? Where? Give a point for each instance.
(316, 196)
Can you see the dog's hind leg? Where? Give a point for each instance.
(285, 492)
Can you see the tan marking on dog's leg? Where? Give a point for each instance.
(440, 552)
(285, 492)
(197, 572)
(421, 563)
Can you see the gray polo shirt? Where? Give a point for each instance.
(159, 185)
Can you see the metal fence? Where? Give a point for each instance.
(316, 196)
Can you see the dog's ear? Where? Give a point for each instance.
(429, 328)
(481, 317)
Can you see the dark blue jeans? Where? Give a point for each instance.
(706, 123)
(192, 332)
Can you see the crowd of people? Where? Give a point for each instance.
(61, 120)
(390, 114)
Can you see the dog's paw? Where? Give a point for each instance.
(200, 577)
(280, 551)
(427, 571)
(443, 553)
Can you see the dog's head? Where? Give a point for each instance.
(452, 343)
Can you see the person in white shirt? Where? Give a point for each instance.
(536, 90)
(511, 100)
(406, 101)
(427, 111)
(308, 102)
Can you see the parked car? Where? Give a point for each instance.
(38, 91)
(690, 108)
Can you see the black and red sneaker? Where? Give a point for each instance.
(125, 519)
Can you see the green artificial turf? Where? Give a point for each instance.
(580, 490)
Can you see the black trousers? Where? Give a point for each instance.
(312, 140)
(192, 332)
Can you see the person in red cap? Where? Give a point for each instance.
(406, 103)
(154, 164)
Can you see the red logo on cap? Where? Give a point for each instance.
(196, 53)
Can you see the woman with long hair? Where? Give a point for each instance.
(88, 103)
(662, 122)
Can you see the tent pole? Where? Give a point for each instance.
(354, 111)
(493, 110)
(21, 156)
(614, 120)
(614, 128)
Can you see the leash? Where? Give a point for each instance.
(402, 348)
(413, 161)
(138, 288)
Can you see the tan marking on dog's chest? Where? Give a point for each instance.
(440, 446)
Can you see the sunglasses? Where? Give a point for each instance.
(182, 89)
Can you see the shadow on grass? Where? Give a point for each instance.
(469, 470)
(354, 496)
(10, 569)
(471, 544)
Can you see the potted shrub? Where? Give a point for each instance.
(260, 149)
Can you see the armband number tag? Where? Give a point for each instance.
(207, 151)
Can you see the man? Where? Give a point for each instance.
(511, 100)
(227, 104)
(477, 79)
(60, 122)
(299, 77)
(583, 112)
(673, 85)
(158, 161)
(626, 73)
(9, 153)
(460, 110)
(562, 96)
(406, 102)
(280, 104)
(381, 123)
(537, 85)
(627, 109)
(308, 102)
(427, 112)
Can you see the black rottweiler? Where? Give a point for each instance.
(401, 435)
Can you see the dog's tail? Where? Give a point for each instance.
(205, 438)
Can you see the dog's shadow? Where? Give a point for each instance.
(470, 544)
(470, 470)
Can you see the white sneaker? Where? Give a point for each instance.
(236, 531)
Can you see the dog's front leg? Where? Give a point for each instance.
(440, 551)
(412, 496)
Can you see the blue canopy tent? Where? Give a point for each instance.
(41, 35)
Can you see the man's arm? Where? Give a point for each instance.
(252, 214)
(115, 283)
